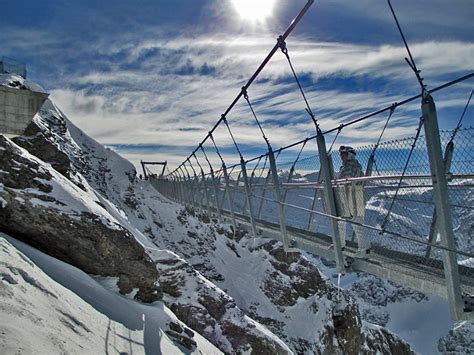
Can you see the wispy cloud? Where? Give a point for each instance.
(157, 86)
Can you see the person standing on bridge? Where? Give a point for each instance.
(351, 201)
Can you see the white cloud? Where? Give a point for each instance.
(152, 104)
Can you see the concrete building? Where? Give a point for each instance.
(17, 109)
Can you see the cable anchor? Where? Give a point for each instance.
(282, 45)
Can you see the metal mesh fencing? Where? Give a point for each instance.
(395, 213)
(409, 218)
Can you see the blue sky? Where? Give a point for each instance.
(150, 78)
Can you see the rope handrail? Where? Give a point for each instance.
(372, 114)
(401, 103)
(347, 220)
(304, 141)
(458, 126)
(361, 179)
(369, 115)
(290, 28)
(411, 61)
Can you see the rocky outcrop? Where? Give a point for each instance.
(283, 283)
(459, 340)
(377, 293)
(211, 312)
(293, 277)
(48, 212)
(35, 142)
(381, 341)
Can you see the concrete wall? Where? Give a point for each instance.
(17, 108)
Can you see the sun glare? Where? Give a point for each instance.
(254, 10)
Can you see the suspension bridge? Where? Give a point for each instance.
(416, 193)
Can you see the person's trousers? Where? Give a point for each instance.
(363, 240)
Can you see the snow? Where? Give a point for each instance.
(420, 323)
(460, 339)
(118, 321)
(42, 298)
(72, 200)
(6, 79)
(2, 201)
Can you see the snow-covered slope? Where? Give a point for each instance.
(50, 307)
(241, 294)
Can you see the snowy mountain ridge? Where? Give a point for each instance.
(211, 289)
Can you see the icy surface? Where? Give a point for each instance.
(50, 307)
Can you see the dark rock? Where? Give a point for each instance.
(384, 342)
(216, 306)
(304, 278)
(203, 217)
(171, 286)
(194, 317)
(189, 332)
(192, 234)
(232, 247)
(78, 238)
(347, 329)
(20, 172)
(130, 199)
(175, 327)
(243, 339)
(35, 142)
(182, 339)
(459, 340)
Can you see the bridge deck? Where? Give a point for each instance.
(417, 272)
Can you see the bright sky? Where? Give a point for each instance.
(150, 78)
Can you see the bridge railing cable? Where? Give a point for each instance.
(287, 32)
(396, 207)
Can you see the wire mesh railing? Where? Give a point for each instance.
(398, 215)
(409, 199)
(412, 212)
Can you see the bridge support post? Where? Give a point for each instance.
(144, 171)
(165, 191)
(175, 188)
(330, 201)
(170, 188)
(183, 188)
(264, 192)
(189, 187)
(206, 194)
(179, 188)
(277, 196)
(314, 203)
(288, 180)
(448, 157)
(230, 198)
(443, 213)
(248, 196)
(199, 194)
(216, 195)
(177, 181)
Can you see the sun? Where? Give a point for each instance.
(254, 10)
